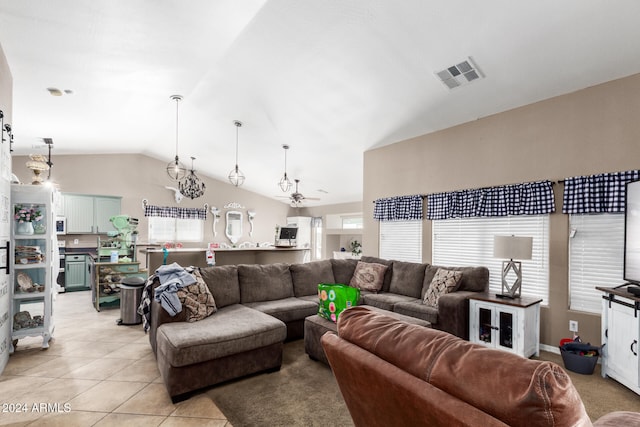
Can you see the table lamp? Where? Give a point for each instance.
(512, 247)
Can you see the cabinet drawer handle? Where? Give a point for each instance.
(6, 267)
(635, 342)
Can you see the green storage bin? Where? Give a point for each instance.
(335, 298)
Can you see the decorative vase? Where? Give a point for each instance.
(24, 228)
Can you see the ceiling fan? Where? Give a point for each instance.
(297, 197)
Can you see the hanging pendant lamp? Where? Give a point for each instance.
(191, 186)
(284, 183)
(236, 177)
(175, 169)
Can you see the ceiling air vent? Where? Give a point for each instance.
(460, 74)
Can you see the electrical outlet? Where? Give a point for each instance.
(76, 241)
(573, 325)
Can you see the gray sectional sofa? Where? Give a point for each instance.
(261, 306)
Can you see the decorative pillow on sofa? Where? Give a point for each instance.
(197, 301)
(368, 276)
(443, 282)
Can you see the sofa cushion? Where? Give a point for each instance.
(233, 329)
(474, 279)
(368, 276)
(385, 300)
(197, 301)
(288, 309)
(444, 282)
(387, 275)
(418, 310)
(307, 276)
(343, 270)
(223, 283)
(407, 278)
(264, 282)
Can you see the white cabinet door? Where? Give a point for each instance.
(5, 221)
(105, 208)
(79, 212)
(622, 345)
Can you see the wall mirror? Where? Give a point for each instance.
(233, 228)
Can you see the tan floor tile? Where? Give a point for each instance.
(61, 366)
(106, 396)
(119, 420)
(152, 400)
(94, 349)
(144, 370)
(58, 391)
(192, 422)
(73, 418)
(130, 351)
(99, 369)
(20, 363)
(199, 406)
(19, 418)
(18, 385)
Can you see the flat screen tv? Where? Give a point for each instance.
(288, 233)
(632, 233)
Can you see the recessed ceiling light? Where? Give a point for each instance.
(322, 191)
(54, 91)
(460, 74)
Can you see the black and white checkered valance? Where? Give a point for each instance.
(600, 193)
(400, 208)
(530, 198)
(174, 212)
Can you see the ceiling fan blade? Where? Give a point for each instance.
(312, 198)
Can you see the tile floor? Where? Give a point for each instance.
(105, 374)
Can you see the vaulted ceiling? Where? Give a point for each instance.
(330, 78)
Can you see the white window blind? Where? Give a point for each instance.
(163, 229)
(401, 240)
(596, 258)
(469, 242)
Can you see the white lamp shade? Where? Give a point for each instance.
(512, 247)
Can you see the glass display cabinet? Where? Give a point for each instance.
(35, 263)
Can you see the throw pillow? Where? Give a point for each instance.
(368, 276)
(197, 301)
(443, 282)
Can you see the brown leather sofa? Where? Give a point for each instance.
(395, 373)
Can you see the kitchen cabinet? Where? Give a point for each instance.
(620, 336)
(88, 214)
(77, 272)
(512, 325)
(35, 264)
(105, 282)
(303, 237)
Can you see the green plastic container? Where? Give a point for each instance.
(335, 298)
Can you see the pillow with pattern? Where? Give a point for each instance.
(443, 282)
(196, 299)
(368, 276)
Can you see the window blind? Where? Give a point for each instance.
(596, 258)
(163, 229)
(469, 242)
(401, 240)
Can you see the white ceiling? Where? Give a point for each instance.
(331, 78)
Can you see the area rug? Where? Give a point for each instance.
(302, 393)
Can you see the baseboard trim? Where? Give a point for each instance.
(550, 348)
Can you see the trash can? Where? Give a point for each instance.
(130, 297)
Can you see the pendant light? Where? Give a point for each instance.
(236, 177)
(284, 183)
(175, 169)
(191, 186)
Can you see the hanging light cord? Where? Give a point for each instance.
(238, 124)
(177, 102)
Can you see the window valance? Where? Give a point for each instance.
(175, 212)
(602, 193)
(530, 198)
(399, 208)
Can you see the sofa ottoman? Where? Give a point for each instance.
(315, 327)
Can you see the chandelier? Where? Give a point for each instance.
(175, 169)
(236, 177)
(284, 183)
(191, 186)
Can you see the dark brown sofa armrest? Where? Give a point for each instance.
(158, 316)
(453, 313)
(618, 418)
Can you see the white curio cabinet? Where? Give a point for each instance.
(35, 262)
(620, 335)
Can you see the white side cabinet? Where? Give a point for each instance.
(507, 324)
(620, 336)
(35, 263)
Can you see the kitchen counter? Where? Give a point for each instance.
(197, 256)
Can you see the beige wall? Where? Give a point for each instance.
(590, 131)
